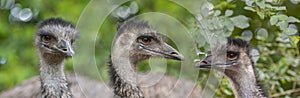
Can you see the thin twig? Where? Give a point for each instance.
(286, 92)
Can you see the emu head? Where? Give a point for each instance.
(54, 39)
(233, 57)
(142, 42)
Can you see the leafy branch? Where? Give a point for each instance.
(285, 93)
(275, 14)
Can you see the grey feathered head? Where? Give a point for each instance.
(233, 55)
(142, 42)
(56, 36)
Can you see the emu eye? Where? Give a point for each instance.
(145, 40)
(46, 38)
(232, 55)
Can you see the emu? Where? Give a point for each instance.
(134, 42)
(54, 42)
(234, 61)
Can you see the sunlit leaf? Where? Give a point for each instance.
(7, 4)
(249, 8)
(295, 1)
(293, 19)
(283, 70)
(292, 73)
(290, 31)
(227, 92)
(123, 12)
(240, 21)
(229, 25)
(268, 5)
(134, 8)
(282, 17)
(261, 4)
(207, 9)
(217, 13)
(280, 8)
(228, 12)
(249, 2)
(282, 25)
(15, 11)
(269, 1)
(261, 15)
(247, 35)
(287, 78)
(25, 14)
(262, 34)
(254, 55)
(284, 36)
(227, 33)
(273, 20)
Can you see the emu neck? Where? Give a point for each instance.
(124, 80)
(53, 79)
(245, 83)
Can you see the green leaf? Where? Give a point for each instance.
(282, 80)
(269, 6)
(284, 36)
(229, 25)
(261, 15)
(282, 25)
(228, 12)
(273, 20)
(283, 70)
(249, 8)
(217, 13)
(290, 31)
(292, 73)
(227, 92)
(240, 21)
(287, 78)
(262, 34)
(282, 17)
(293, 19)
(281, 8)
(261, 4)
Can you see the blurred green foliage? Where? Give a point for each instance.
(16, 38)
(278, 65)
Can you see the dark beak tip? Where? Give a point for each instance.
(178, 57)
(181, 58)
(69, 54)
(198, 65)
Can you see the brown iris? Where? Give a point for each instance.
(46, 38)
(146, 40)
(232, 55)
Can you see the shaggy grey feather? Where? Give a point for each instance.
(234, 61)
(54, 42)
(137, 41)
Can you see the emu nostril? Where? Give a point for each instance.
(174, 53)
(204, 62)
(65, 49)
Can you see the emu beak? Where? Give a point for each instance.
(207, 63)
(165, 51)
(204, 63)
(171, 53)
(66, 48)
